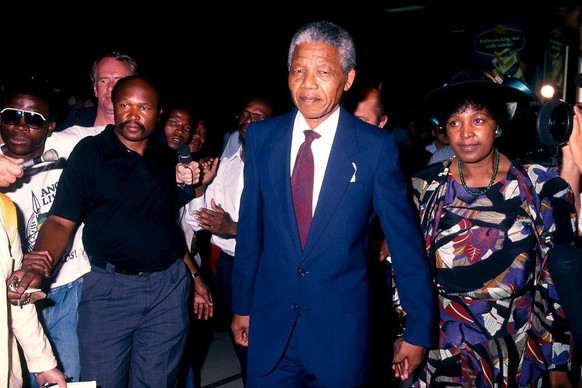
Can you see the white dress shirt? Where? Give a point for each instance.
(226, 189)
(320, 147)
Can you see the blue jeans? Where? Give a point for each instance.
(59, 316)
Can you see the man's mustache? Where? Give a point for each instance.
(123, 124)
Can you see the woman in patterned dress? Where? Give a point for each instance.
(488, 222)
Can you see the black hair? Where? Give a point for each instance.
(125, 80)
(495, 107)
(34, 87)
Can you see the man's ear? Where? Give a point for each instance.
(51, 127)
(350, 80)
(383, 121)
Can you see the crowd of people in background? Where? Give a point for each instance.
(411, 252)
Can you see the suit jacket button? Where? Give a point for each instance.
(301, 272)
(294, 306)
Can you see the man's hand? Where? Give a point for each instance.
(18, 282)
(203, 306)
(559, 379)
(216, 220)
(10, 170)
(41, 261)
(51, 376)
(407, 358)
(240, 329)
(209, 167)
(188, 174)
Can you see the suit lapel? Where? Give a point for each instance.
(338, 174)
(279, 168)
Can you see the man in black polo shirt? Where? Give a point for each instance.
(133, 314)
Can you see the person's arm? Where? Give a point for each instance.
(203, 306)
(557, 215)
(52, 241)
(571, 174)
(571, 167)
(28, 331)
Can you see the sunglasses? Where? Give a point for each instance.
(33, 120)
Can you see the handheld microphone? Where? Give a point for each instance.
(47, 156)
(184, 155)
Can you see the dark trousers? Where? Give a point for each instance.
(132, 329)
(223, 278)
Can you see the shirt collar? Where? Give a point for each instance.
(326, 129)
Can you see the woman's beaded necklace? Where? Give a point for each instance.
(484, 190)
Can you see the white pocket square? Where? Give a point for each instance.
(355, 170)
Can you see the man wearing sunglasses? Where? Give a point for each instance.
(34, 198)
(26, 125)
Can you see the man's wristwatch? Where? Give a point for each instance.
(195, 275)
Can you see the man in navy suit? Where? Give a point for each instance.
(304, 312)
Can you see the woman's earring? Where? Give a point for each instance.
(498, 132)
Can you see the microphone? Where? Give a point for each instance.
(47, 156)
(184, 155)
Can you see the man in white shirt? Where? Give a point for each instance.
(217, 204)
(33, 197)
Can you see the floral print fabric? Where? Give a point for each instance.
(489, 274)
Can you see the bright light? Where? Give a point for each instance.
(548, 91)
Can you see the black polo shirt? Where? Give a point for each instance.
(128, 202)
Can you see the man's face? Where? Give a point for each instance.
(108, 72)
(366, 110)
(23, 128)
(255, 110)
(178, 128)
(198, 138)
(136, 111)
(317, 81)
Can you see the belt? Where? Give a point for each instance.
(103, 265)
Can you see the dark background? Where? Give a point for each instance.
(220, 54)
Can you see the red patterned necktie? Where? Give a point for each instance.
(302, 185)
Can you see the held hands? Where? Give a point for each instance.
(407, 358)
(36, 266)
(559, 379)
(188, 174)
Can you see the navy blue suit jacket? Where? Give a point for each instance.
(275, 281)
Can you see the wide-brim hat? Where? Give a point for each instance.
(466, 85)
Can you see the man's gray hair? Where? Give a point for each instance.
(330, 33)
(118, 55)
